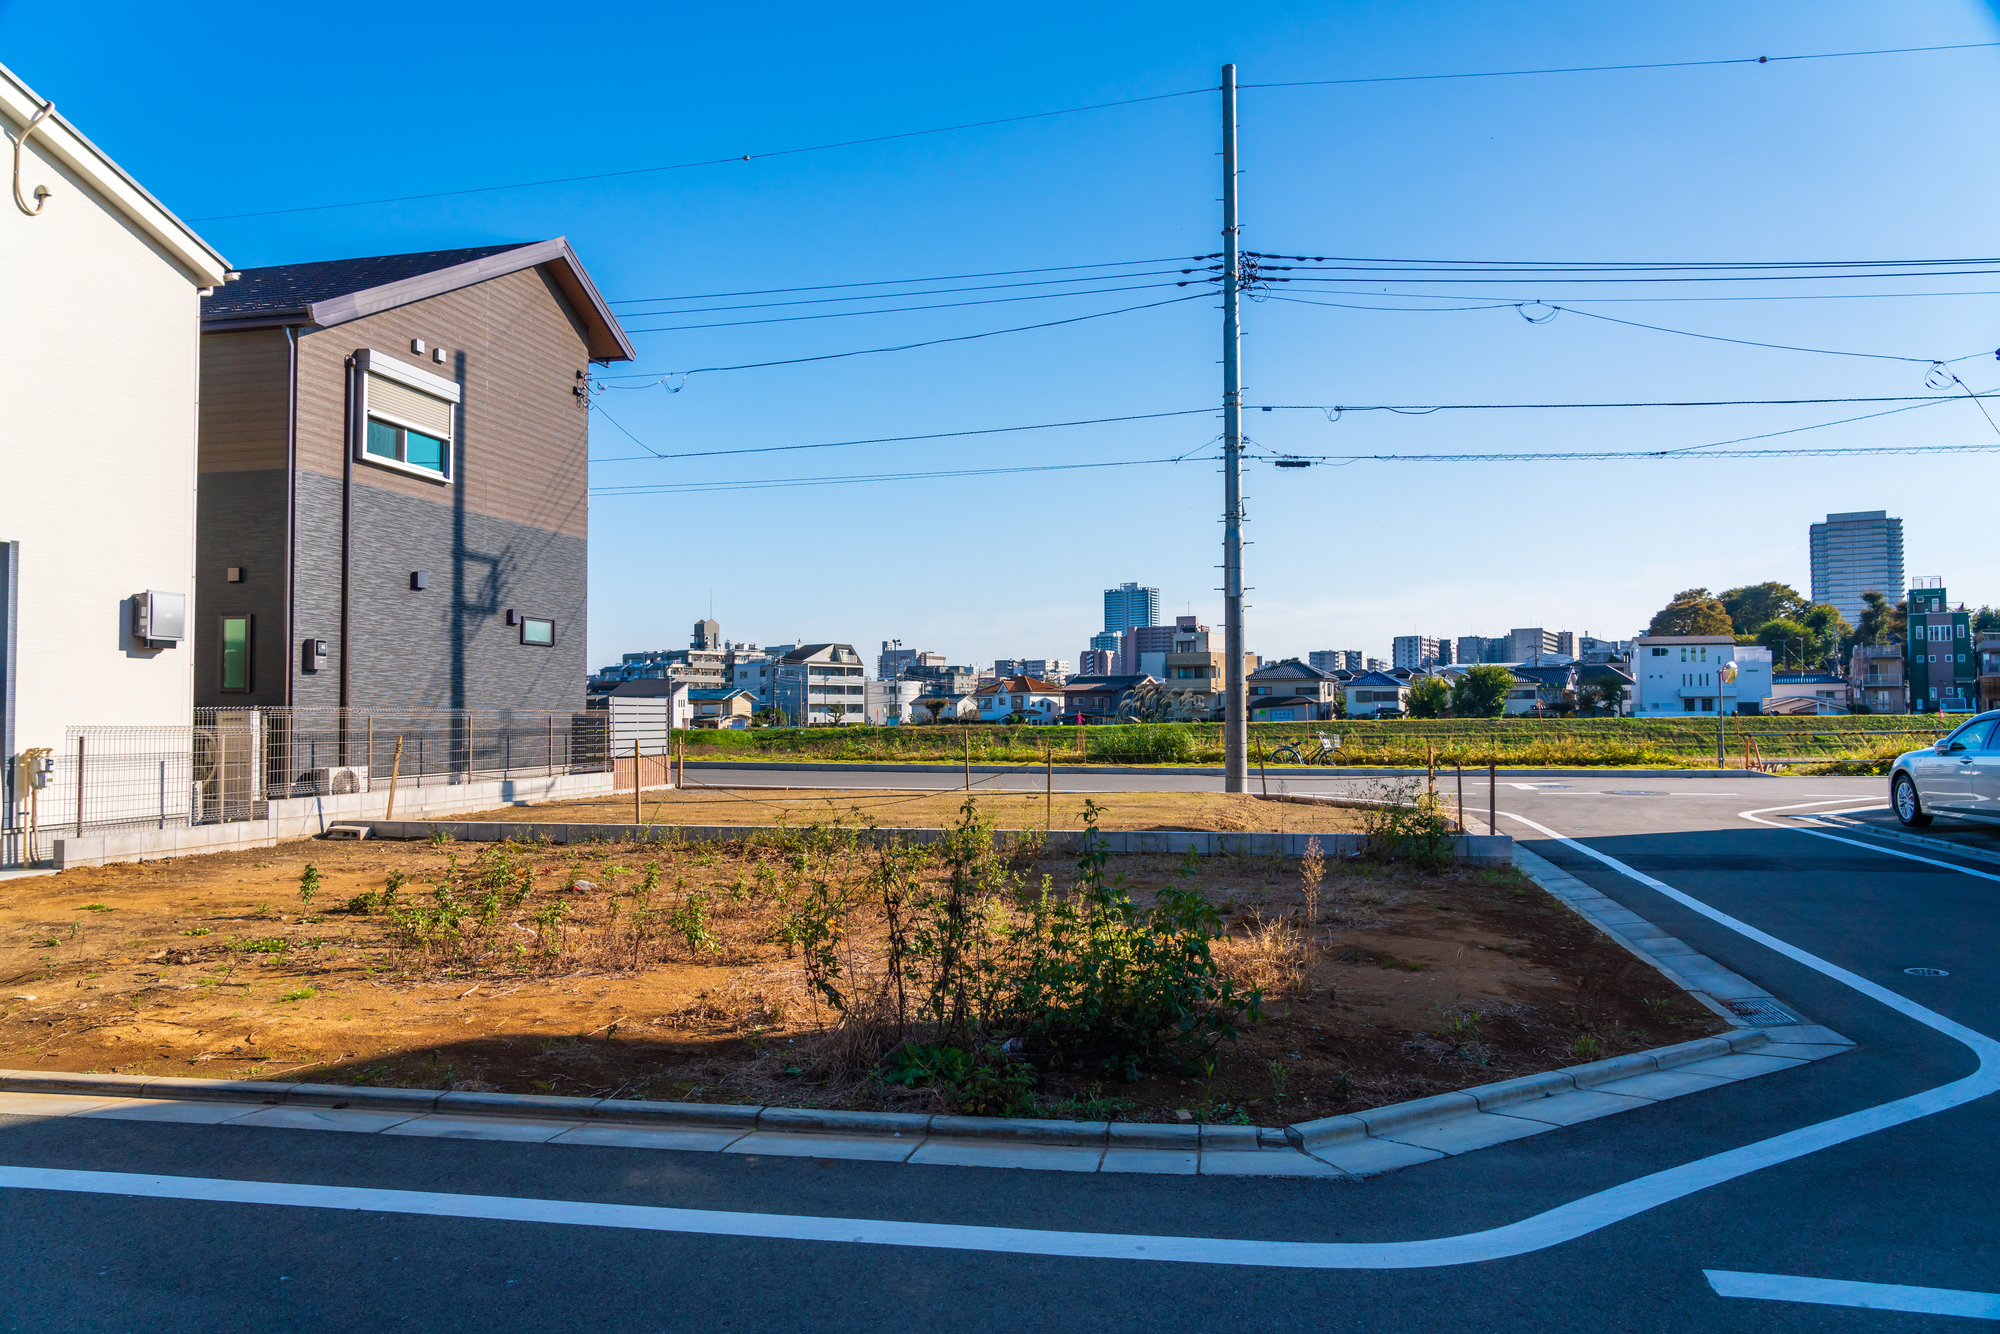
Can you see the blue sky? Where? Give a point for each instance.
(227, 109)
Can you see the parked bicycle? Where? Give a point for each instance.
(1324, 752)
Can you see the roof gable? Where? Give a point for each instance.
(59, 139)
(1377, 679)
(335, 291)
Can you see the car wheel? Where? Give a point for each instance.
(1908, 809)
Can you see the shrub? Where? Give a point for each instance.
(1142, 743)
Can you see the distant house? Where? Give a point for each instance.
(393, 510)
(816, 684)
(941, 708)
(721, 707)
(1098, 699)
(99, 354)
(1374, 694)
(1683, 674)
(1309, 693)
(1034, 700)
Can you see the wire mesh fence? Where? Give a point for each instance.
(232, 763)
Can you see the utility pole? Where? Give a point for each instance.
(1235, 728)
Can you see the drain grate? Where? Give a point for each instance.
(1927, 972)
(1761, 1012)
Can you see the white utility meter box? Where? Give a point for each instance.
(159, 618)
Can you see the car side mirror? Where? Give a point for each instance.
(1941, 748)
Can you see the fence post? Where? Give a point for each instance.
(395, 769)
(79, 787)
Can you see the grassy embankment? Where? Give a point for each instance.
(1865, 742)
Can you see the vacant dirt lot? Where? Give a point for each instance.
(672, 972)
(799, 807)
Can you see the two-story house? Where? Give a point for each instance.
(393, 487)
(99, 351)
(1698, 674)
(1025, 697)
(1301, 692)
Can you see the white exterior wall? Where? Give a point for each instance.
(99, 360)
(1663, 682)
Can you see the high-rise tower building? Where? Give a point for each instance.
(1129, 605)
(1856, 553)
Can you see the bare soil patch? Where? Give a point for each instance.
(1406, 983)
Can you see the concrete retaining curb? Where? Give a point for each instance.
(1473, 849)
(1199, 771)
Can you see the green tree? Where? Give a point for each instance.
(1482, 692)
(1692, 612)
(1881, 620)
(1830, 630)
(1985, 621)
(1756, 605)
(1430, 697)
(1791, 643)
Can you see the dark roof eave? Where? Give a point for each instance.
(604, 337)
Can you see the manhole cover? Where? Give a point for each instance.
(1927, 972)
(1632, 792)
(1760, 1012)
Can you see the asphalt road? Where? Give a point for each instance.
(1911, 1204)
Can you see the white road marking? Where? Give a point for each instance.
(1550, 1228)
(1857, 843)
(1867, 1296)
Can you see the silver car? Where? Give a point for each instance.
(1958, 778)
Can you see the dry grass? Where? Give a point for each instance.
(1272, 956)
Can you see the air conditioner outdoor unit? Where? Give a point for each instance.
(343, 781)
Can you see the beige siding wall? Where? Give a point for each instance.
(244, 400)
(514, 349)
(98, 379)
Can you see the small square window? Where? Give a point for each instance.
(538, 632)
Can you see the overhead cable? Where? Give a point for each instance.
(1068, 111)
(890, 310)
(1604, 69)
(663, 376)
(891, 439)
(935, 278)
(1525, 306)
(762, 484)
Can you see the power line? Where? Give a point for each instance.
(935, 278)
(1499, 303)
(1602, 69)
(763, 484)
(1332, 410)
(677, 311)
(1341, 460)
(1064, 111)
(905, 347)
(887, 439)
(1712, 450)
(894, 310)
(707, 162)
(1377, 263)
(1657, 329)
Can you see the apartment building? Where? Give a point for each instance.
(893, 660)
(1855, 553)
(1940, 664)
(1335, 659)
(816, 684)
(1875, 675)
(1419, 652)
(1129, 604)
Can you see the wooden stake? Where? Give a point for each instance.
(638, 816)
(395, 770)
(968, 760)
(1049, 758)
